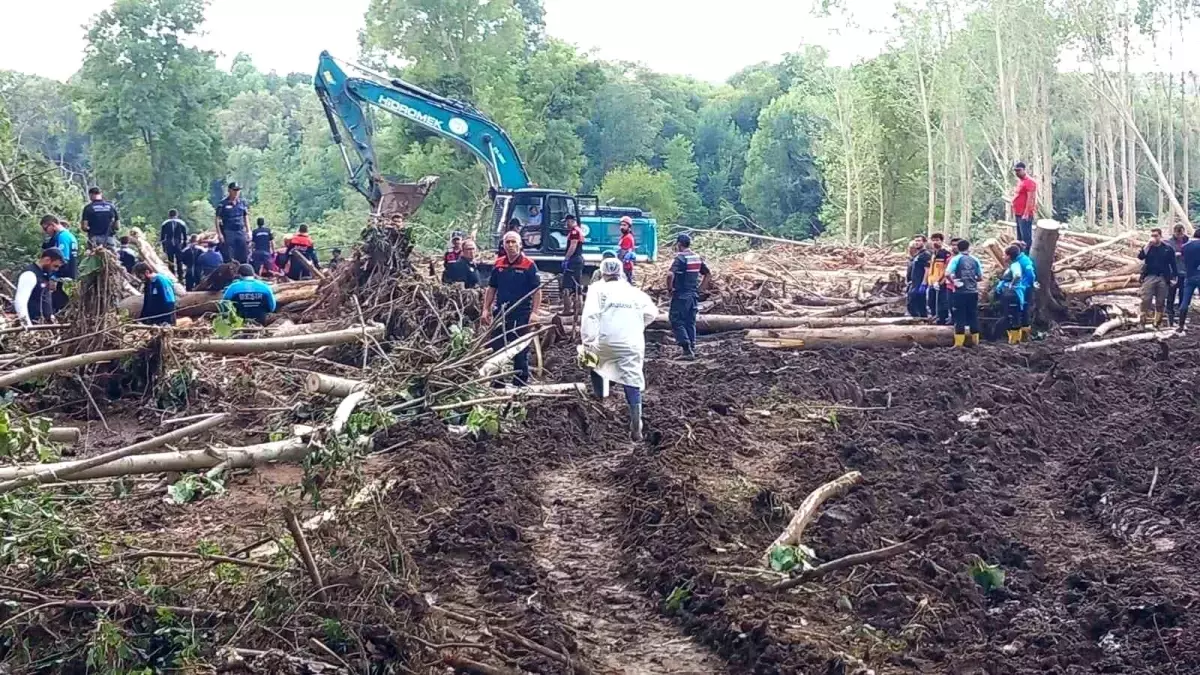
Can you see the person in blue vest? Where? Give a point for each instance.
(250, 296)
(233, 225)
(963, 274)
(208, 261)
(1029, 278)
(59, 237)
(173, 236)
(514, 293)
(263, 240)
(688, 271)
(31, 301)
(158, 297)
(1012, 292)
(100, 220)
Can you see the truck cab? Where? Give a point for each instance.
(538, 214)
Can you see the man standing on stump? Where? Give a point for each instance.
(1158, 270)
(515, 293)
(687, 272)
(964, 274)
(1024, 204)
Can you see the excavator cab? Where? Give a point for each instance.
(539, 214)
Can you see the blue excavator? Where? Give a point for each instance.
(537, 211)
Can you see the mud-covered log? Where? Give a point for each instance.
(1137, 337)
(198, 303)
(1047, 297)
(804, 515)
(844, 322)
(857, 307)
(707, 324)
(41, 369)
(67, 435)
(861, 337)
(289, 450)
(331, 385)
(281, 344)
(1111, 325)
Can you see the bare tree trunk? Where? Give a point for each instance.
(1117, 219)
(964, 180)
(1160, 141)
(1002, 99)
(1047, 181)
(947, 188)
(879, 185)
(1171, 170)
(1131, 145)
(1089, 176)
(932, 201)
(1187, 144)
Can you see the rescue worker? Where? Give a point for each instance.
(32, 301)
(126, 255)
(615, 316)
(1012, 292)
(688, 271)
(1191, 270)
(208, 261)
(572, 268)
(158, 297)
(514, 295)
(301, 245)
(335, 258)
(963, 274)
(1174, 294)
(597, 277)
(59, 237)
(514, 225)
(263, 241)
(1029, 279)
(233, 225)
(251, 297)
(1158, 270)
(918, 265)
(190, 256)
(100, 220)
(935, 279)
(451, 255)
(173, 236)
(626, 249)
(464, 270)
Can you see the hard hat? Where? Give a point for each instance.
(610, 267)
(626, 220)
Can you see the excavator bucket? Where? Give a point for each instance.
(403, 199)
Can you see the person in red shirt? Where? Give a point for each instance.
(625, 249)
(1024, 204)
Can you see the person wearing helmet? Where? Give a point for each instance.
(612, 330)
(625, 250)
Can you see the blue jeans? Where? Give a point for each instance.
(1025, 231)
(683, 319)
(514, 325)
(1189, 289)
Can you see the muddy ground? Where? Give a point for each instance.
(645, 558)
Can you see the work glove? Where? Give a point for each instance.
(586, 358)
(923, 289)
(566, 264)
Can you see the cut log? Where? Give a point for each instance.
(280, 344)
(149, 256)
(289, 450)
(993, 247)
(860, 337)
(1047, 296)
(1111, 325)
(816, 300)
(331, 385)
(1088, 287)
(197, 304)
(67, 435)
(1138, 337)
(1061, 263)
(38, 370)
(808, 510)
(341, 416)
(60, 471)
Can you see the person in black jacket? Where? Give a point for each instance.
(173, 236)
(189, 258)
(918, 264)
(1158, 269)
(463, 269)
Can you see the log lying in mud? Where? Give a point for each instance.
(149, 256)
(67, 435)
(860, 337)
(331, 385)
(38, 370)
(198, 303)
(1137, 337)
(1080, 289)
(281, 344)
(1111, 325)
(808, 510)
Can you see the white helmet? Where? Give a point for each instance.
(610, 267)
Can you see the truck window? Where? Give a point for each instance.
(557, 208)
(528, 210)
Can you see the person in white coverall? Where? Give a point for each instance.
(615, 316)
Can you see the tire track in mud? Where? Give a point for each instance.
(617, 627)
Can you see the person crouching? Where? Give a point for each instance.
(158, 297)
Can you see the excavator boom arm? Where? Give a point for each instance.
(343, 98)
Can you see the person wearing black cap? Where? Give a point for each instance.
(264, 245)
(158, 297)
(100, 220)
(233, 225)
(251, 297)
(173, 237)
(31, 301)
(687, 272)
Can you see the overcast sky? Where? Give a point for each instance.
(675, 36)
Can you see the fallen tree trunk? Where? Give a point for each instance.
(197, 303)
(1138, 337)
(993, 247)
(1061, 264)
(60, 471)
(31, 372)
(289, 450)
(331, 385)
(858, 307)
(861, 337)
(149, 256)
(1047, 296)
(808, 510)
(1098, 286)
(67, 435)
(281, 344)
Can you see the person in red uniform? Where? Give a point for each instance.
(625, 251)
(572, 269)
(1024, 204)
(514, 293)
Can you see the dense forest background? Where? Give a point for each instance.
(921, 137)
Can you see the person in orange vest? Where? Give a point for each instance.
(301, 244)
(935, 279)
